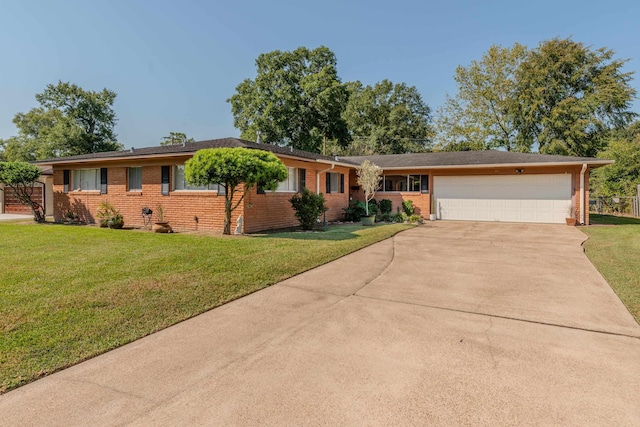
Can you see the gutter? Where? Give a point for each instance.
(582, 193)
(496, 165)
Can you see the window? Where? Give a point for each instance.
(135, 179)
(180, 183)
(335, 182)
(289, 185)
(86, 179)
(409, 183)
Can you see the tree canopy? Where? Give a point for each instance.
(560, 98)
(21, 178)
(231, 167)
(69, 121)
(623, 177)
(176, 138)
(387, 118)
(571, 96)
(296, 99)
(481, 116)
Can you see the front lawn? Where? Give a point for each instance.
(615, 251)
(70, 293)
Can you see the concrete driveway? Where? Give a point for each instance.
(450, 323)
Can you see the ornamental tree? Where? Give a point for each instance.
(21, 177)
(369, 176)
(231, 167)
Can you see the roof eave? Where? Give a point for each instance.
(596, 163)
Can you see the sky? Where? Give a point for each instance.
(173, 64)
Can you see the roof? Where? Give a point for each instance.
(189, 148)
(458, 159)
(471, 159)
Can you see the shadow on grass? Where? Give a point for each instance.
(613, 220)
(332, 232)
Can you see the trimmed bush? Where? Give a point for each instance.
(308, 206)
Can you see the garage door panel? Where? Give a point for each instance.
(513, 198)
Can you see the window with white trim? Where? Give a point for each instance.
(404, 183)
(181, 184)
(134, 181)
(85, 179)
(289, 185)
(335, 182)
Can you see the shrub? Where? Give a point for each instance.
(414, 219)
(308, 206)
(407, 207)
(356, 210)
(398, 217)
(109, 216)
(385, 206)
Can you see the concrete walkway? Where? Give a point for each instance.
(14, 217)
(448, 324)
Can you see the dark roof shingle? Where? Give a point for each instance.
(464, 158)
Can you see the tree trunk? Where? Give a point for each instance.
(227, 214)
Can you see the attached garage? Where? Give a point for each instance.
(543, 198)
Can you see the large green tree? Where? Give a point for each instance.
(387, 118)
(69, 121)
(176, 138)
(623, 177)
(296, 99)
(231, 167)
(570, 97)
(561, 97)
(21, 177)
(481, 115)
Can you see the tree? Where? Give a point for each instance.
(387, 118)
(623, 177)
(369, 175)
(231, 167)
(176, 138)
(481, 116)
(21, 177)
(296, 99)
(69, 121)
(570, 96)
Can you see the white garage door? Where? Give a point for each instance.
(513, 198)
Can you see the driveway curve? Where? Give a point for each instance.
(449, 323)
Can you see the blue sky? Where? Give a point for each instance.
(173, 64)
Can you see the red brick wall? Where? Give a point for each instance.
(273, 210)
(421, 201)
(260, 211)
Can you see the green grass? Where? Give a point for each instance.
(69, 293)
(615, 251)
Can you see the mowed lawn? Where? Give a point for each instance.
(615, 251)
(69, 293)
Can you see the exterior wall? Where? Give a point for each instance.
(180, 207)
(259, 211)
(422, 201)
(273, 210)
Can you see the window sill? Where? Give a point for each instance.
(208, 193)
(84, 192)
(134, 193)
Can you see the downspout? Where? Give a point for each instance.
(318, 176)
(582, 201)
